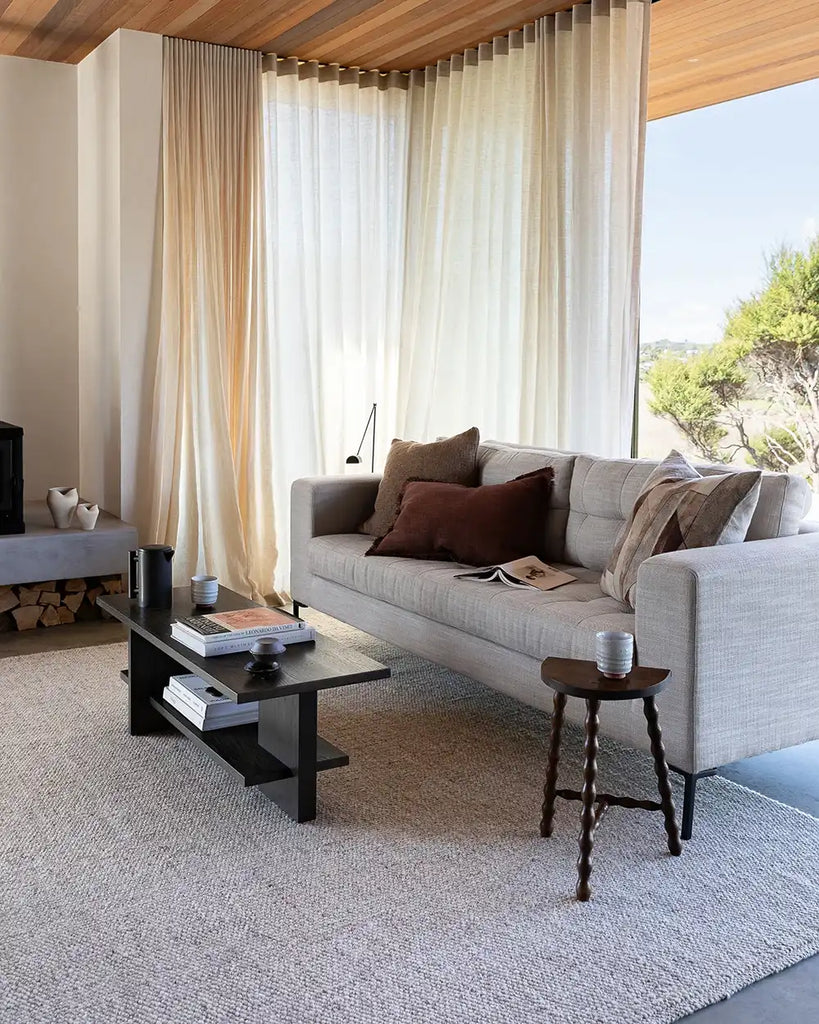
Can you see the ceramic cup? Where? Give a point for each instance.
(615, 653)
(204, 591)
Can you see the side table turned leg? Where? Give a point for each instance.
(588, 795)
(661, 768)
(548, 814)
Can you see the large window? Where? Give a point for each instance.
(730, 284)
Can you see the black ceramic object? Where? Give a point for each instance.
(11, 479)
(263, 653)
(150, 576)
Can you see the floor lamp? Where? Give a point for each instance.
(356, 459)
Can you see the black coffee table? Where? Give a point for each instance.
(284, 753)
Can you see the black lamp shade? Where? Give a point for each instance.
(355, 460)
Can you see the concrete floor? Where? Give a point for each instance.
(790, 776)
(792, 996)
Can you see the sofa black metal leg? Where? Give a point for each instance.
(297, 606)
(689, 796)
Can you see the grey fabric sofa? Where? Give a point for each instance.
(738, 625)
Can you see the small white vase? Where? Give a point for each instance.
(62, 501)
(87, 515)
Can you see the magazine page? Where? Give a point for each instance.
(535, 573)
(480, 574)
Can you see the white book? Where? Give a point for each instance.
(234, 644)
(202, 723)
(205, 699)
(522, 572)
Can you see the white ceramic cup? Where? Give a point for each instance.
(204, 591)
(615, 653)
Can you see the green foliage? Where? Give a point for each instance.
(769, 351)
(786, 311)
(777, 449)
(692, 392)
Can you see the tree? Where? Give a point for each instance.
(769, 353)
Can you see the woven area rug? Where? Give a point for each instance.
(141, 884)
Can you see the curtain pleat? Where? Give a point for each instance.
(592, 69)
(336, 157)
(523, 232)
(211, 488)
(472, 121)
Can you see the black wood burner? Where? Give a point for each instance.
(11, 479)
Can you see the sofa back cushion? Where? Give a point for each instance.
(499, 462)
(603, 492)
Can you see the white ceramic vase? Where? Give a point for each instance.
(87, 515)
(62, 501)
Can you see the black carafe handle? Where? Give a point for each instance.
(133, 574)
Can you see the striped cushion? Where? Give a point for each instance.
(678, 509)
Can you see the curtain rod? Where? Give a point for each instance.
(268, 58)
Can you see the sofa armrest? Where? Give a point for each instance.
(320, 506)
(738, 625)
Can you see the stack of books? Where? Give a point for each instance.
(227, 632)
(204, 706)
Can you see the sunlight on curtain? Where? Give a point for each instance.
(336, 157)
(472, 137)
(581, 356)
(211, 446)
(523, 227)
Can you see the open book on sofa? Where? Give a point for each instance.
(522, 572)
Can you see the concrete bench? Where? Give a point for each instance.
(45, 553)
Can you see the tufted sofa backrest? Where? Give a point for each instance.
(593, 497)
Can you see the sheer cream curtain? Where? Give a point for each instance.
(336, 160)
(523, 228)
(211, 487)
(581, 360)
(473, 139)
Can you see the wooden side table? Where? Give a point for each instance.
(568, 677)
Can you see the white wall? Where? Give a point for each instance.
(140, 245)
(38, 266)
(98, 283)
(119, 123)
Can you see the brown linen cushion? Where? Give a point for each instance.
(474, 525)
(679, 509)
(453, 460)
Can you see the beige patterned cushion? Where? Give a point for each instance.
(676, 509)
(453, 460)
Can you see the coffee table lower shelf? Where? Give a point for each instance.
(237, 750)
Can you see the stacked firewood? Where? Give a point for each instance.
(54, 602)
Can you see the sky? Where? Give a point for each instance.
(724, 186)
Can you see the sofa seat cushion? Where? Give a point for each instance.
(556, 623)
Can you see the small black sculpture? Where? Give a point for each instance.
(264, 651)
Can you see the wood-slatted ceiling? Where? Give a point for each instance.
(702, 51)
(707, 51)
